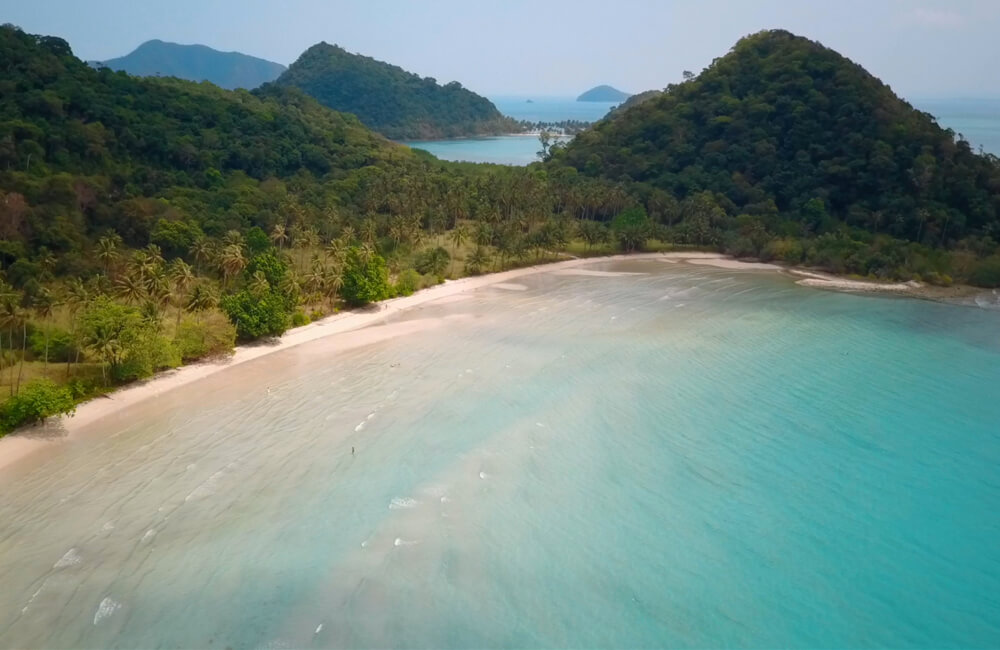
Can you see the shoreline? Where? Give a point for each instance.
(25, 442)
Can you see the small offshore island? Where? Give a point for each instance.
(603, 94)
(269, 373)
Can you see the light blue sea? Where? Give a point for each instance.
(681, 457)
(978, 120)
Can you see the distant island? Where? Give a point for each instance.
(603, 94)
(229, 70)
(388, 99)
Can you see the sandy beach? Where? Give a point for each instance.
(352, 330)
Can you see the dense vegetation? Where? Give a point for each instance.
(799, 154)
(603, 94)
(390, 100)
(196, 63)
(149, 222)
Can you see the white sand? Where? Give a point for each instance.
(823, 281)
(726, 263)
(348, 326)
(596, 274)
(351, 329)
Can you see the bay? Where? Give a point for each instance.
(652, 455)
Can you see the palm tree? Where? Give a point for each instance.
(131, 288)
(107, 251)
(259, 284)
(9, 314)
(290, 284)
(477, 260)
(202, 251)
(182, 277)
(233, 238)
(332, 282)
(231, 262)
(348, 234)
(369, 231)
(202, 299)
(336, 250)
(279, 235)
(458, 237)
(43, 304)
(76, 297)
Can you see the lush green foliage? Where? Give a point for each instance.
(789, 139)
(257, 314)
(197, 63)
(204, 336)
(36, 401)
(390, 100)
(366, 278)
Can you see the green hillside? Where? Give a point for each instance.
(792, 140)
(197, 63)
(390, 100)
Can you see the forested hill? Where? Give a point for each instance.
(801, 141)
(390, 100)
(197, 63)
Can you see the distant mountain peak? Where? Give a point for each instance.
(196, 62)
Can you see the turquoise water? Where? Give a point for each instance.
(503, 149)
(977, 119)
(515, 150)
(691, 457)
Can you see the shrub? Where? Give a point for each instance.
(366, 278)
(37, 400)
(257, 315)
(211, 334)
(151, 352)
(986, 273)
(408, 282)
(60, 343)
(433, 261)
(299, 318)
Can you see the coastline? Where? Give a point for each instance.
(25, 442)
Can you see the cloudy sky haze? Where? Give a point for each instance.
(922, 48)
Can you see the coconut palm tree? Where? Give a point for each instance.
(202, 251)
(131, 288)
(279, 235)
(231, 262)
(43, 303)
(259, 284)
(107, 251)
(233, 238)
(202, 299)
(182, 277)
(77, 296)
(458, 236)
(10, 301)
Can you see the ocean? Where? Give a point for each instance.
(978, 120)
(643, 454)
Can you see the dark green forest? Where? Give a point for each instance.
(149, 222)
(396, 103)
(806, 158)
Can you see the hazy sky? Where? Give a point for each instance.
(922, 48)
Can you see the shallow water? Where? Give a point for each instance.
(691, 457)
(515, 150)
